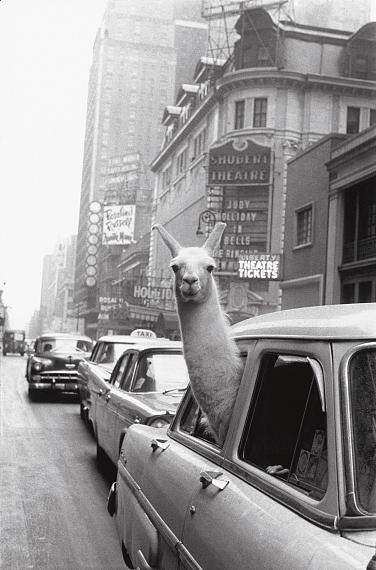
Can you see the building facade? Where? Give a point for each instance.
(231, 133)
(136, 57)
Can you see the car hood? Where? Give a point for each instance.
(59, 360)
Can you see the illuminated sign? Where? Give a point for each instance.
(265, 266)
(239, 163)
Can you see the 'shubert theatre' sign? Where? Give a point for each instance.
(239, 163)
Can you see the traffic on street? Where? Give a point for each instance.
(53, 497)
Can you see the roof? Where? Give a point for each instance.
(64, 335)
(327, 322)
(160, 346)
(126, 339)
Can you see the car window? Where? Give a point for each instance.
(128, 373)
(362, 380)
(63, 345)
(161, 372)
(285, 432)
(193, 423)
(119, 370)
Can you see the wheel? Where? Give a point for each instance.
(32, 394)
(82, 412)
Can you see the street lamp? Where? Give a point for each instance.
(206, 217)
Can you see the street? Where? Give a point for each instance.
(52, 496)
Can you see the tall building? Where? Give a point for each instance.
(56, 302)
(139, 51)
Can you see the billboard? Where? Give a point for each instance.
(118, 224)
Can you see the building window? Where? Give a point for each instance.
(181, 162)
(263, 56)
(239, 114)
(166, 177)
(372, 117)
(199, 144)
(259, 112)
(353, 120)
(304, 226)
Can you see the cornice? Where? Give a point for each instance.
(246, 78)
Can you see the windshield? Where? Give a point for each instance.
(63, 345)
(362, 376)
(161, 372)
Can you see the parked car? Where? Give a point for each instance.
(294, 484)
(95, 372)
(145, 387)
(53, 365)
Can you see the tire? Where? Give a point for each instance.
(82, 412)
(32, 394)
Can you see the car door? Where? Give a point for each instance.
(101, 391)
(275, 493)
(170, 466)
(110, 404)
(119, 405)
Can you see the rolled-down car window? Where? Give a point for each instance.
(362, 377)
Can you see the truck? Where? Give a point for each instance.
(14, 342)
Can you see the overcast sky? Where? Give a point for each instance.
(45, 57)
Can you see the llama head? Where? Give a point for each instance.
(192, 266)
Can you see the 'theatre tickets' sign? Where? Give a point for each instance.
(266, 266)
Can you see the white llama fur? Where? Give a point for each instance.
(212, 357)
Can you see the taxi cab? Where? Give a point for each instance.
(294, 484)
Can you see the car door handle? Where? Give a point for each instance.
(99, 392)
(211, 478)
(160, 443)
(108, 397)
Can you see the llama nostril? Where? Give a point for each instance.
(190, 279)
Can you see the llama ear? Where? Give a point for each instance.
(215, 237)
(173, 245)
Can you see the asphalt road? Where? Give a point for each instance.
(52, 495)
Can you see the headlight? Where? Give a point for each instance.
(41, 363)
(159, 423)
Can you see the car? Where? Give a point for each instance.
(94, 373)
(145, 387)
(294, 484)
(53, 367)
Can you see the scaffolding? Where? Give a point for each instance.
(222, 15)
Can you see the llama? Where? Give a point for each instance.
(212, 357)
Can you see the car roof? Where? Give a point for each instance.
(174, 345)
(326, 322)
(127, 339)
(63, 335)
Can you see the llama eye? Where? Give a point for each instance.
(175, 268)
(210, 268)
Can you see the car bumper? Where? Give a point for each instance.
(49, 382)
